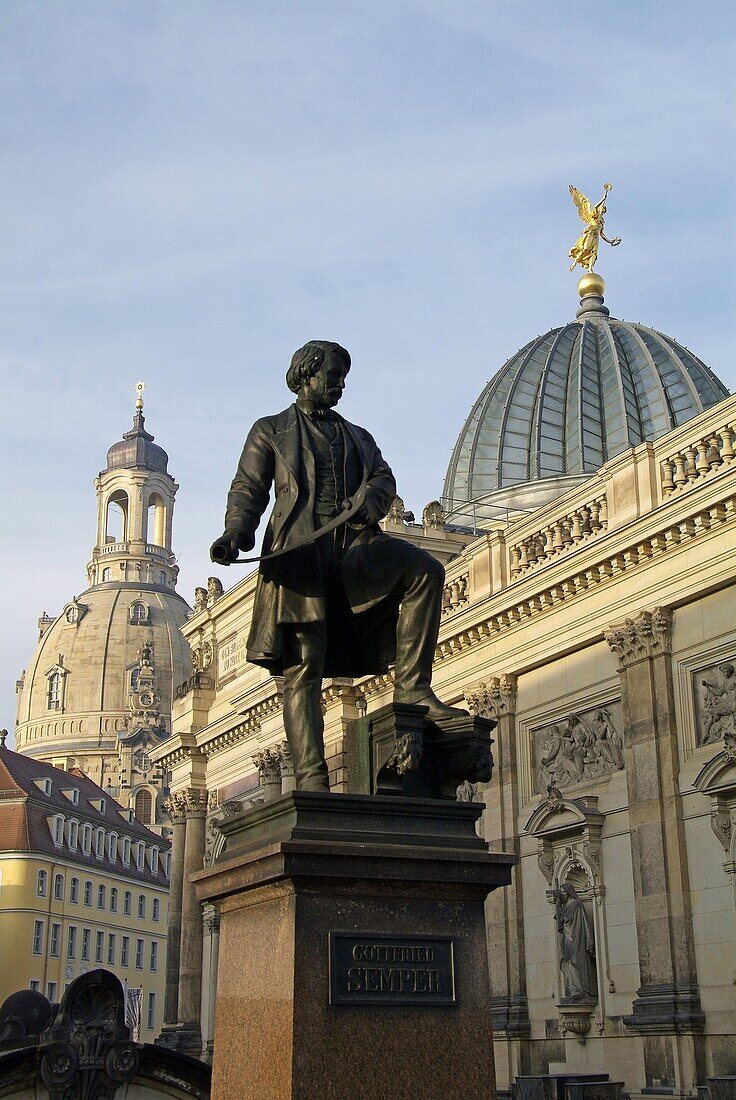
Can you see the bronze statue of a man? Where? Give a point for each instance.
(350, 602)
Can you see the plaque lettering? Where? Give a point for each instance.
(391, 970)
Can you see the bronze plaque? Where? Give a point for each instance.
(391, 970)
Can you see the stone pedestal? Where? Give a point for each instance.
(353, 954)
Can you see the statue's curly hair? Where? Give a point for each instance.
(307, 360)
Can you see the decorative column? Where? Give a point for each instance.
(268, 764)
(189, 1039)
(288, 782)
(175, 808)
(666, 1012)
(496, 698)
(211, 945)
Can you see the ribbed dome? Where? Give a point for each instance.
(565, 404)
(137, 448)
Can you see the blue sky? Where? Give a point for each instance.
(193, 189)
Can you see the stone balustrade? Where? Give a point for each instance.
(707, 452)
(455, 594)
(554, 538)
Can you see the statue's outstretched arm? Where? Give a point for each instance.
(249, 492)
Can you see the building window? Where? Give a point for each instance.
(154, 860)
(34, 985)
(127, 903)
(112, 846)
(151, 1021)
(126, 851)
(88, 893)
(125, 951)
(101, 891)
(53, 692)
(55, 948)
(156, 907)
(100, 843)
(140, 856)
(51, 992)
(58, 831)
(139, 954)
(86, 938)
(73, 834)
(42, 882)
(167, 864)
(58, 887)
(162, 577)
(138, 613)
(154, 954)
(74, 891)
(37, 937)
(142, 906)
(71, 943)
(144, 807)
(99, 946)
(113, 899)
(111, 949)
(87, 839)
(105, 575)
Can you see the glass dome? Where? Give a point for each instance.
(564, 405)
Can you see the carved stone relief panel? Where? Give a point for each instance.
(714, 695)
(581, 746)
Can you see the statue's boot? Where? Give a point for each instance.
(437, 711)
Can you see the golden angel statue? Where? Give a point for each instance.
(585, 249)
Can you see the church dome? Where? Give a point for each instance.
(566, 403)
(137, 448)
(75, 697)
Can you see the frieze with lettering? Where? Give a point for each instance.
(391, 970)
(230, 656)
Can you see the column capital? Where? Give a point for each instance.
(195, 802)
(176, 808)
(286, 764)
(493, 698)
(647, 635)
(268, 764)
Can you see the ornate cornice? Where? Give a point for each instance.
(493, 698)
(647, 635)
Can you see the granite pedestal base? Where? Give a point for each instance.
(353, 959)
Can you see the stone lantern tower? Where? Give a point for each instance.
(97, 693)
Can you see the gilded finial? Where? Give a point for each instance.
(139, 388)
(585, 249)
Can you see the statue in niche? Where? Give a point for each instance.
(576, 945)
(718, 703)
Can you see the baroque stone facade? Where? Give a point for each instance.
(615, 764)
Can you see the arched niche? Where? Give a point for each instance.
(116, 517)
(156, 520)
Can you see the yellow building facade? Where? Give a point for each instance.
(83, 886)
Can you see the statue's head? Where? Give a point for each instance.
(307, 361)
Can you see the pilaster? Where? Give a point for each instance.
(667, 1010)
(495, 698)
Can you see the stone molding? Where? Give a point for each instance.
(590, 576)
(493, 698)
(647, 635)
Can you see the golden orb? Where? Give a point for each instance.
(591, 283)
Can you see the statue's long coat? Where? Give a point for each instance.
(292, 588)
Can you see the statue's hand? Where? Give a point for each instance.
(225, 549)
